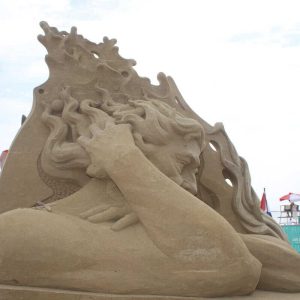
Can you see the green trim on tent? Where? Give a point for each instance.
(293, 234)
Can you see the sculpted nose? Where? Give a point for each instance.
(177, 179)
(191, 187)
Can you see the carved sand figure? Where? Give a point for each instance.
(127, 197)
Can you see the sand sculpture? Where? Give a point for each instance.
(114, 185)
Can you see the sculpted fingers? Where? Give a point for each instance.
(92, 211)
(94, 129)
(109, 123)
(83, 141)
(126, 221)
(118, 128)
(96, 171)
(107, 215)
(120, 214)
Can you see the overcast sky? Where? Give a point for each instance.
(236, 62)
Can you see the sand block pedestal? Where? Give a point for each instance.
(9, 292)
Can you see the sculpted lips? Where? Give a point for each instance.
(185, 184)
(189, 187)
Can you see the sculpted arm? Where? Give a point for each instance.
(178, 223)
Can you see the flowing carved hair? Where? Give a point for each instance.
(153, 123)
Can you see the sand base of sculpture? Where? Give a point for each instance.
(8, 292)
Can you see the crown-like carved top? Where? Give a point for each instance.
(71, 48)
(74, 60)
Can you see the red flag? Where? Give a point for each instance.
(264, 204)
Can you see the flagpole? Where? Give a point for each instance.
(267, 206)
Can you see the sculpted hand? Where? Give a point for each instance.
(123, 216)
(106, 146)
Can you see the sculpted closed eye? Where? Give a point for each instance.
(180, 165)
(182, 161)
